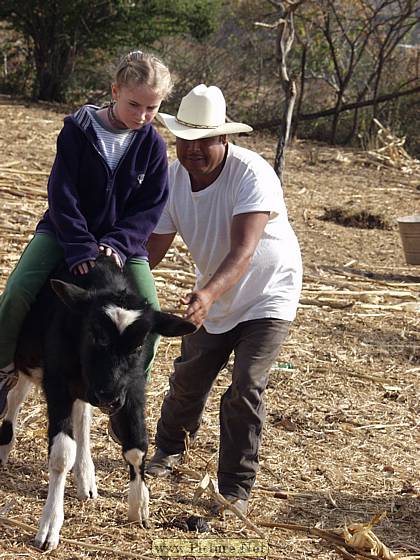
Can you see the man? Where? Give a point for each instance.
(226, 202)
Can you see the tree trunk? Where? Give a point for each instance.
(53, 62)
(49, 87)
(284, 42)
(302, 82)
(336, 117)
(50, 84)
(284, 132)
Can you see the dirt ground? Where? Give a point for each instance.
(341, 442)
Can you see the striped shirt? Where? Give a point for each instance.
(112, 142)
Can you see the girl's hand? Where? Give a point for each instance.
(83, 268)
(110, 253)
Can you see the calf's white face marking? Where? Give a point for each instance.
(122, 317)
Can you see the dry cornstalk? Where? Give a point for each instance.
(333, 536)
(25, 172)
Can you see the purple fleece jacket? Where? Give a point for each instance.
(88, 204)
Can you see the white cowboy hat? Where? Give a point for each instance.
(201, 114)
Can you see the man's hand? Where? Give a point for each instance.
(199, 304)
(246, 232)
(110, 253)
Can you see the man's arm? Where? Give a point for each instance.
(246, 231)
(158, 246)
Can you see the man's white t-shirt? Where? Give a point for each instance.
(270, 288)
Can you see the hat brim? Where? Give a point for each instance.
(191, 133)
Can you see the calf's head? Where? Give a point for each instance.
(113, 330)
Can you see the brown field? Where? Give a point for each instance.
(342, 435)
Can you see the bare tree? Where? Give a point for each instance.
(363, 37)
(351, 48)
(285, 33)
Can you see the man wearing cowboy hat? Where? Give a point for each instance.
(226, 202)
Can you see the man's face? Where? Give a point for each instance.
(203, 159)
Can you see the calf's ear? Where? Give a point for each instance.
(74, 297)
(167, 324)
(133, 336)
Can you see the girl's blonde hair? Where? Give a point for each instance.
(139, 68)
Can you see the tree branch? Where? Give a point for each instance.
(345, 107)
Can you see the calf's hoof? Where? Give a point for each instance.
(140, 515)
(47, 543)
(86, 482)
(145, 524)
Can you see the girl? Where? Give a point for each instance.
(106, 191)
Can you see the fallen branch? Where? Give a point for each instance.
(357, 293)
(381, 426)
(403, 306)
(326, 303)
(383, 279)
(344, 553)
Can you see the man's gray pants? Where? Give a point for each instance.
(256, 345)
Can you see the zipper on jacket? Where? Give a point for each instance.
(113, 174)
(110, 174)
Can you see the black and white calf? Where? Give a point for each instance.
(84, 347)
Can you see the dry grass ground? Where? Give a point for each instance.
(342, 436)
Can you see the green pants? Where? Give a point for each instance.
(39, 259)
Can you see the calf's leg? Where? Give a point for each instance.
(62, 454)
(15, 399)
(84, 469)
(62, 457)
(129, 427)
(138, 493)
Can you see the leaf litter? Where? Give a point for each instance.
(340, 444)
